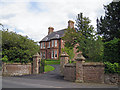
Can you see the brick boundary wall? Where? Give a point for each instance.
(93, 72)
(15, 69)
(70, 72)
(112, 79)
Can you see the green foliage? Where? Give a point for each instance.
(70, 37)
(84, 29)
(84, 35)
(90, 44)
(70, 52)
(49, 68)
(92, 49)
(109, 26)
(18, 48)
(112, 51)
(112, 68)
(5, 59)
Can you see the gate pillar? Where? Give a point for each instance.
(63, 60)
(79, 68)
(36, 65)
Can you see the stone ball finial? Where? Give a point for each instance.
(80, 57)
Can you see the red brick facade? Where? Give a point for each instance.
(52, 44)
(51, 49)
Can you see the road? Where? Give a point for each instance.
(48, 80)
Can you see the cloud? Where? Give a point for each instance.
(33, 17)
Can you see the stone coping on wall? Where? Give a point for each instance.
(70, 65)
(93, 63)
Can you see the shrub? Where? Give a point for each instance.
(17, 48)
(5, 59)
(112, 51)
(112, 68)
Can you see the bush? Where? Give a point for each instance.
(112, 51)
(5, 59)
(17, 48)
(112, 68)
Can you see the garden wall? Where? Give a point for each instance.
(16, 69)
(92, 72)
(70, 72)
(112, 79)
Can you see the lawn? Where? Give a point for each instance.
(48, 68)
(52, 62)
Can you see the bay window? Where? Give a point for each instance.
(41, 45)
(44, 45)
(55, 53)
(52, 54)
(55, 43)
(52, 43)
(48, 44)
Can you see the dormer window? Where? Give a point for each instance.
(46, 38)
(57, 36)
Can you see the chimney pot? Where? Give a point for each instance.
(50, 30)
(70, 24)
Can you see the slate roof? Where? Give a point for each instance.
(54, 35)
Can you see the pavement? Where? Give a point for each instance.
(50, 79)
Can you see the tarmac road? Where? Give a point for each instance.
(48, 80)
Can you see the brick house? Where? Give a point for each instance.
(51, 45)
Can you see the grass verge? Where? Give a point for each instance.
(49, 68)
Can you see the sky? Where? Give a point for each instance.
(33, 17)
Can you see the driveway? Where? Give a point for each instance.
(50, 76)
(50, 79)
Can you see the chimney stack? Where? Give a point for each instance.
(70, 24)
(50, 30)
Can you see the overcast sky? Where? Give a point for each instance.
(33, 17)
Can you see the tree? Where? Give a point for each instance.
(70, 37)
(90, 44)
(83, 26)
(112, 51)
(109, 26)
(17, 48)
(84, 35)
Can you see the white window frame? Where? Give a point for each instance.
(41, 44)
(55, 43)
(48, 44)
(52, 54)
(55, 54)
(43, 55)
(44, 45)
(52, 43)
